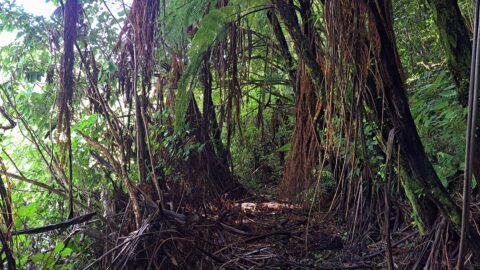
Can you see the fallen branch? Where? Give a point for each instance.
(382, 250)
(64, 224)
(263, 236)
(297, 265)
(214, 257)
(234, 230)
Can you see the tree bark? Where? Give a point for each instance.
(455, 39)
(424, 210)
(65, 97)
(305, 145)
(208, 167)
(389, 69)
(283, 45)
(304, 49)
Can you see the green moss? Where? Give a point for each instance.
(413, 192)
(455, 39)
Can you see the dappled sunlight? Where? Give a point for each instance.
(266, 206)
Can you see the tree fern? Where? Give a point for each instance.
(182, 14)
(212, 26)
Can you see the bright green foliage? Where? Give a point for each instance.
(440, 118)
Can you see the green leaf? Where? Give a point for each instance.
(285, 148)
(23, 260)
(86, 123)
(27, 243)
(26, 211)
(66, 252)
(37, 257)
(60, 246)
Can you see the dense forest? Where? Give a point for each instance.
(240, 134)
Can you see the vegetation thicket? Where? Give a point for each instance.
(240, 134)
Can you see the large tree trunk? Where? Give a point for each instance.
(302, 40)
(424, 210)
(297, 169)
(455, 39)
(389, 69)
(305, 146)
(305, 150)
(283, 46)
(208, 167)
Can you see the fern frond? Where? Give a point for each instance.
(211, 27)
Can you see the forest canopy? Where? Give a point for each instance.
(239, 134)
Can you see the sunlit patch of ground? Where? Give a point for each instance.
(262, 206)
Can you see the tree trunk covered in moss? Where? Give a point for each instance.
(425, 178)
(455, 40)
(424, 210)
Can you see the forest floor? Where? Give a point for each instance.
(290, 236)
(261, 232)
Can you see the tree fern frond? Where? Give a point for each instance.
(211, 27)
